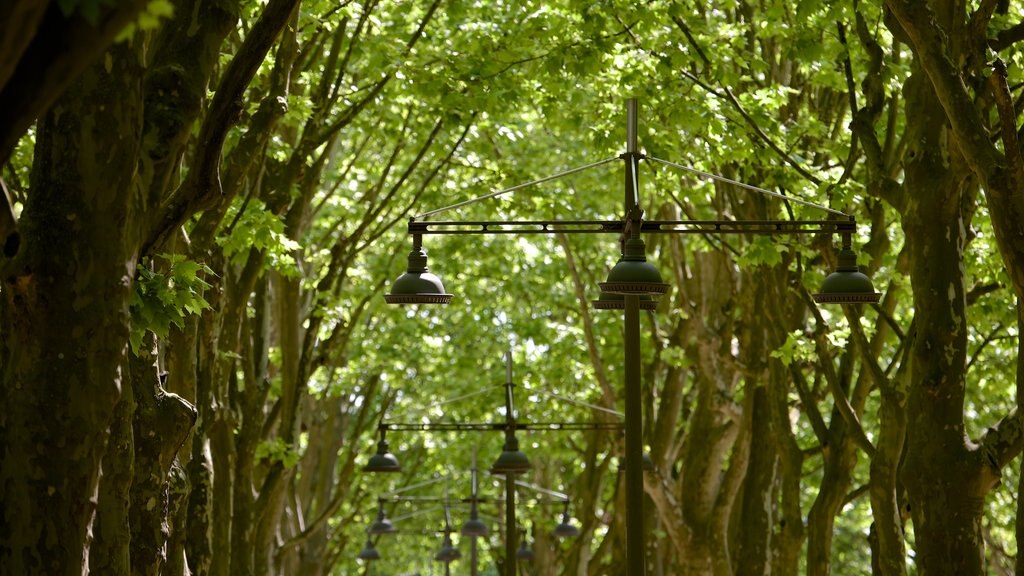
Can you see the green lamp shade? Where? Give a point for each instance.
(610, 301)
(382, 461)
(448, 552)
(524, 553)
(511, 460)
(382, 525)
(417, 285)
(565, 529)
(475, 526)
(847, 285)
(633, 274)
(369, 552)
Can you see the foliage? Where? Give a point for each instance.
(166, 295)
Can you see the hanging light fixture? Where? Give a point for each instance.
(511, 460)
(448, 552)
(847, 285)
(382, 525)
(417, 285)
(369, 552)
(565, 528)
(474, 527)
(524, 553)
(633, 274)
(383, 460)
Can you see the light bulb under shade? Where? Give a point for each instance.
(614, 301)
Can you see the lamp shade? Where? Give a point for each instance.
(369, 552)
(565, 529)
(633, 274)
(646, 463)
(383, 460)
(382, 525)
(847, 285)
(474, 526)
(448, 552)
(524, 553)
(417, 285)
(511, 460)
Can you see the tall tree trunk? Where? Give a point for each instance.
(941, 472)
(66, 319)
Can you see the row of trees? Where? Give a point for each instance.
(204, 204)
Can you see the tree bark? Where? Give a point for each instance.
(66, 319)
(162, 421)
(944, 476)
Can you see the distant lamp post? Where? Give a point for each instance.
(634, 280)
(510, 463)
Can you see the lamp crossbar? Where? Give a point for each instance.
(497, 227)
(472, 426)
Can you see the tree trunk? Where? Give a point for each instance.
(161, 424)
(109, 551)
(66, 320)
(943, 475)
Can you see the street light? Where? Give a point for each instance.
(381, 525)
(525, 553)
(565, 528)
(383, 460)
(369, 552)
(510, 463)
(634, 280)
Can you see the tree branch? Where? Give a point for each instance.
(1006, 38)
(880, 184)
(728, 96)
(9, 236)
(60, 48)
(203, 187)
(842, 402)
(1007, 122)
(928, 42)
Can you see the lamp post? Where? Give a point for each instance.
(633, 280)
(510, 463)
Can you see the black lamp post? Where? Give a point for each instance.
(634, 281)
(510, 463)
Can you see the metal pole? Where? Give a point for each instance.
(634, 408)
(472, 539)
(510, 525)
(634, 442)
(473, 570)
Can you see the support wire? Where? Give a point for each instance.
(516, 187)
(747, 186)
